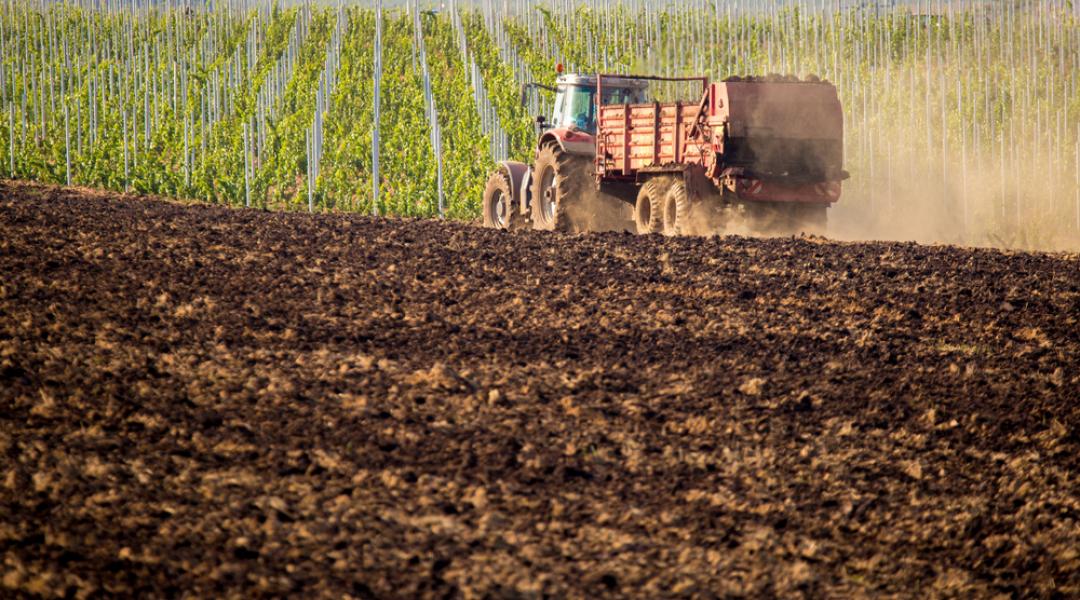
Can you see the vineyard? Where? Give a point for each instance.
(962, 118)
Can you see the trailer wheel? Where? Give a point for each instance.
(649, 209)
(501, 210)
(677, 210)
(559, 180)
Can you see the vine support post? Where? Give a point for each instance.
(67, 128)
(963, 157)
(308, 143)
(377, 99)
(4, 74)
(187, 150)
(439, 163)
(247, 167)
(11, 137)
(123, 116)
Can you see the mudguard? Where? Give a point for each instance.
(519, 182)
(571, 141)
(525, 194)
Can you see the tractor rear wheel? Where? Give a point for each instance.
(559, 182)
(649, 209)
(501, 210)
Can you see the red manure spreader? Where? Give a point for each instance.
(750, 155)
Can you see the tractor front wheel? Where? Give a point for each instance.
(501, 211)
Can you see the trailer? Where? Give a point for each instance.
(762, 154)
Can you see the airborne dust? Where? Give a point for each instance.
(902, 196)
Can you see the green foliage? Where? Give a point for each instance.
(954, 100)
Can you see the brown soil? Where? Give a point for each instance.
(216, 402)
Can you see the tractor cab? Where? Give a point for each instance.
(575, 99)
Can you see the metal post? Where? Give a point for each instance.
(308, 143)
(67, 129)
(375, 133)
(439, 167)
(247, 161)
(11, 137)
(123, 113)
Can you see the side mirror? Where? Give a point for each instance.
(541, 122)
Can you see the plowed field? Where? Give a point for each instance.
(205, 401)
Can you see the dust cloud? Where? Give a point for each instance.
(899, 191)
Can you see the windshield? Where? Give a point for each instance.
(575, 106)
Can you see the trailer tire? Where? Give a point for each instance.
(678, 219)
(559, 180)
(501, 210)
(649, 209)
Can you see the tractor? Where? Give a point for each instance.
(754, 155)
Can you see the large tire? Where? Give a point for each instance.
(501, 210)
(649, 209)
(559, 182)
(677, 210)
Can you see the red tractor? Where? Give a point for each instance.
(761, 155)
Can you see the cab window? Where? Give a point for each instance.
(624, 96)
(576, 105)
